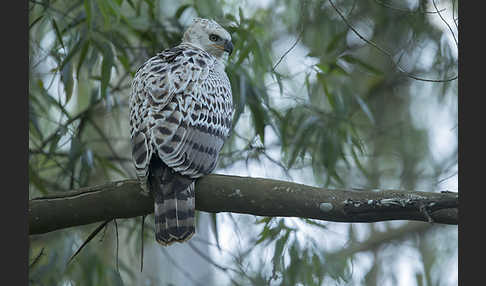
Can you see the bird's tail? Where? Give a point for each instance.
(174, 204)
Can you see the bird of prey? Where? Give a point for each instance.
(181, 111)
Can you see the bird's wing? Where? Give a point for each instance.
(180, 110)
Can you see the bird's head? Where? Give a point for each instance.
(209, 36)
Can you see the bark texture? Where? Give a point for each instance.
(262, 197)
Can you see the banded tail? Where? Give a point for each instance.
(174, 200)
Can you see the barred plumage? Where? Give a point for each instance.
(180, 115)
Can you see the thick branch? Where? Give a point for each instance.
(263, 197)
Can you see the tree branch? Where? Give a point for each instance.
(262, 197)
(378, 239)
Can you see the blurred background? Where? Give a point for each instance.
(337, 94)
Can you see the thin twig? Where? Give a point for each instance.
(406, 10)
(447, 178)
(116, 231)
(65, 154)
(61, 126)
(233, 256)
(454, 18)
(37, 258)
(279, 164)
(205, 257)
(141, 258)
(107, 142)
(352, 8)
(373, 44)
(296, 41)
(210, 261)
(445, 22)
(180, 268)
(88, 239)
(288, 51)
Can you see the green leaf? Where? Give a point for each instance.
(364, 108)
(37, 181)
(87, 9)
(107, 165)
(181, 10)
(304, 134)
(336, 69)
(88, 158)
(58, 33)
(419, 278)
(240, 13)
(116, 278)
(243, 54)
(35, 21)
(53, 143)
(353, 60)
(75, 151)
(67, 80)
(150, 3)
(130, 2)
(71, 53)
(277, 260)
(51, 100)
(278, 77)
(82, 56)
(258, 116)
(124, 61)
(311, 222)
(329, 95)
(230, 17)
(114, 8)
(264, 220)
(358, 161)
(34, 128)
(104, 8)
(214, 226)
(324, 68)
(335, 41)
(106, 66)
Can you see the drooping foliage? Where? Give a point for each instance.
(342, 94)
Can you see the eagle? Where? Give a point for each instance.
(181, 111)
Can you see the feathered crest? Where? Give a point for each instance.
(210, 23)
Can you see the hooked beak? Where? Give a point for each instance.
(228, 47)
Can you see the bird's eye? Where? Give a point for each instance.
(214, 38)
